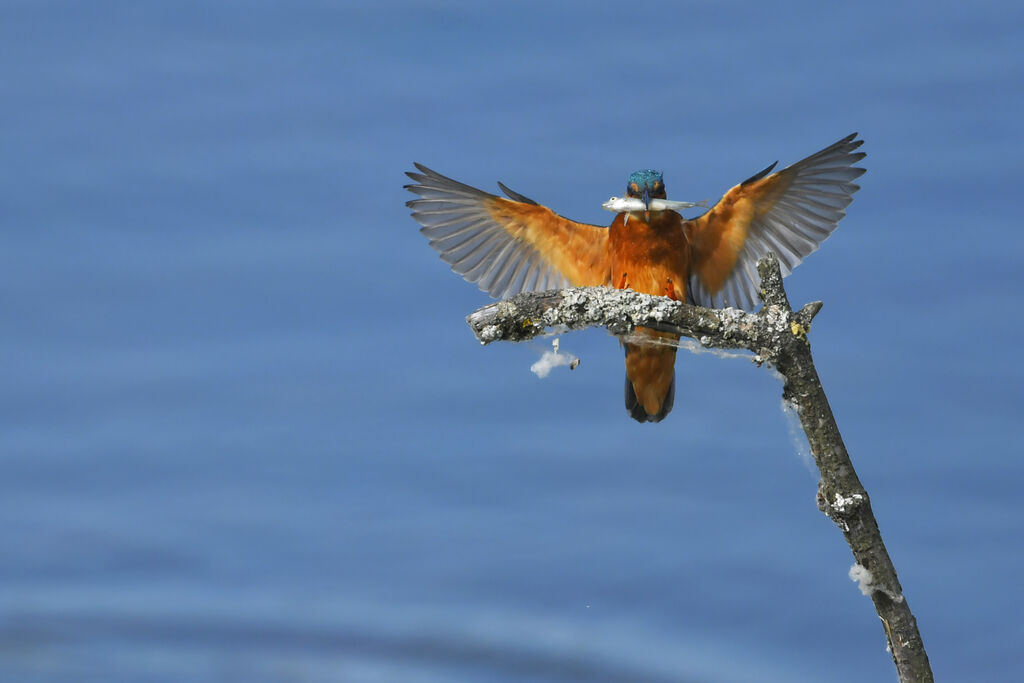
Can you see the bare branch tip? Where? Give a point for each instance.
(809, 310)
(772, 292)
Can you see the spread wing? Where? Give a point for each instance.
(506, 246)
(790, 212)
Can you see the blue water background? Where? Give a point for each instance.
(245, 433)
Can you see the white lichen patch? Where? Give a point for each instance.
(844, 504)
(731, 315)
(490, 333)
(507, 309)
(777, 318)
(664, 309)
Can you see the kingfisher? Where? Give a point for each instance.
(512, 244)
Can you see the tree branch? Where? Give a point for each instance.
(777, 335)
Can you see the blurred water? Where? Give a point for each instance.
(245, 434)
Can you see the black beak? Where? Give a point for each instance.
(647, 204)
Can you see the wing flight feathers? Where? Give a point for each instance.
(790, 212)
(505, 246)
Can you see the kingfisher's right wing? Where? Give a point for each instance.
(506, 246)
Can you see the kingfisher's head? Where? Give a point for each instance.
(646, 185)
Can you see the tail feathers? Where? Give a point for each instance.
(650, 377)
(636, 409)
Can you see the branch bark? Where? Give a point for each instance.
(776, 335)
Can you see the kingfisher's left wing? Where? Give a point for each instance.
(790, 212)
(506, 246)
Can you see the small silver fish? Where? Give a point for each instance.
(635, 204)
